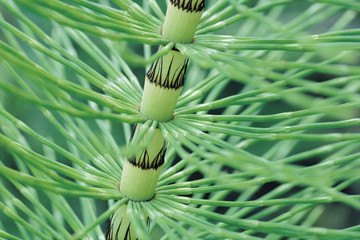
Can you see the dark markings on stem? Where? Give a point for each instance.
(167, 80)
(144, 162)
(133, 131)
(148, 223)
(128, 234)
(110, 231)
(189, 6)
(175, 49)
(118, 230)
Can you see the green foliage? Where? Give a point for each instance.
(265, 139)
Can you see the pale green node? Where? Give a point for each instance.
(180, 25)
(140, 176)
(163, 86)
(120, 227)
(162, 104)
(138, 184)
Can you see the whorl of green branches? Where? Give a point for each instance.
(264, 142)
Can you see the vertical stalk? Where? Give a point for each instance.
(181, 20)
(163, 84)
(120, 227)
(141, 172)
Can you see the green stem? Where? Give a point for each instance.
(182, 19)
(163, 84)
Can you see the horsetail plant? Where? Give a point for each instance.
(163, 84)
(260, 142)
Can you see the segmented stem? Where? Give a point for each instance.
(182, 18)
(163, 84)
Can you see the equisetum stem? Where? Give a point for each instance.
(182, 19)
(120, 226)
(163, 84)
(141, 172)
